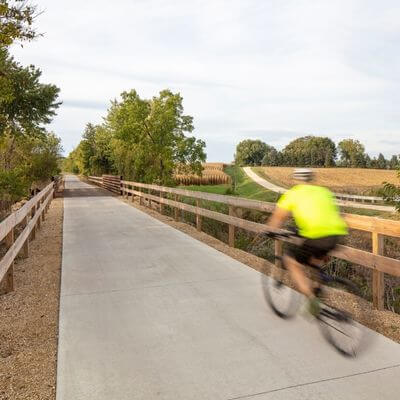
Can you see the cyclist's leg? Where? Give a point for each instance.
(298, 276)
(311, 252)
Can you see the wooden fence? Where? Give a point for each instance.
(362, 199)
(109, 182)
(379, 228)
(29, 217)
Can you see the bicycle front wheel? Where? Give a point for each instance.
(339, 327)
(283, 300)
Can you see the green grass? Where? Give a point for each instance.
(244, 187)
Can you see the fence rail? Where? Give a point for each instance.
(30, 216)
(354, 197)
(109, 182)
(379, 228)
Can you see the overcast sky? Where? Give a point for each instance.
(267, 69)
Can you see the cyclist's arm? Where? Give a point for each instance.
(282, 210)
(278, 218)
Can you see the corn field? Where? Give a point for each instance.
(213, 174)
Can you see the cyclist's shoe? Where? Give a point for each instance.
(314, 306)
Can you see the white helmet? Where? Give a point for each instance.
(303, 174)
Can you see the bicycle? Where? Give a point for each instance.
(338, 327)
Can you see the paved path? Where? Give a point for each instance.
(148, 312)
(278, 189)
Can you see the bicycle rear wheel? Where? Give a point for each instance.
(283, 300)
(339, 327)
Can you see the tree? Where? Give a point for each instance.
(16, 20)
(44, 156)
(310, 151)
(271, 156)
(352, 153)
(329, 158)
(28, 153)
(381, 163)
(391, 193)
(148, 138)
(95, 150)
(250, 152)
(368, 161)
(25, 103)
(34, 160)
(394, 162)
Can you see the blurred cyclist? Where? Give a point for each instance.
(318, 221)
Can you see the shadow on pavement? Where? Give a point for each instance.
(87, 192)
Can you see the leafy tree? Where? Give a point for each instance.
(251, 152)
(44, 156)
(16, 20)
(352, 153)
(310, 151)
(88, 148)
(381, 162)
(368, 161)
(394, 162)
(35, 160)
(271, 157)
(391, 193)
(25, 103)
(28, 153)
(148, 138)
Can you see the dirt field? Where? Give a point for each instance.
(341, 180)
(29, 317)
(384, 322)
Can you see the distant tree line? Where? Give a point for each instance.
(312, 151)
(142, 139)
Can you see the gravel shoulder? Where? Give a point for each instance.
(29, 317)
(383, 322)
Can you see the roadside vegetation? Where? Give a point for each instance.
(241, 185)
(29, 154)
(145, 140)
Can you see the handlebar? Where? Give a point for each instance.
(282, 235)
(276, 235)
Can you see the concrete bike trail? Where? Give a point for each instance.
(148, 312)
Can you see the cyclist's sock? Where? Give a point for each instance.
(314, 306)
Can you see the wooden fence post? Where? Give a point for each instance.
(231, 237)
(133, 196)
(378, 278)
(44, 211)
(278, 253)
(9, 278)
(39, 219)
(199, 219)
(161, 204)
(140, 196)
(25, 248)
(176, 211)
(33, 232)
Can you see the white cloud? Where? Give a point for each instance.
(279, 68)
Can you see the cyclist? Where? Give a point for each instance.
(318, 221)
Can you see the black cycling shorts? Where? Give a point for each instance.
(313, 248)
